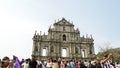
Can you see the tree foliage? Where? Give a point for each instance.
(114, 51)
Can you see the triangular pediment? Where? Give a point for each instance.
(63, 21)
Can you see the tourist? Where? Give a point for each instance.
(0, 64)
(16, 62)
(40, 64)
(49, 63)
(55, 64)
(82, 65)
(118, 65)
(79, 62)
(106, 60)
(62, 65)
(76, 64)
(22, 61)
(68, 64)
(59, 61)
(5, 62)
(33, 62)
(86, 63)
(25, 64)
(98, 64)
(72, 63)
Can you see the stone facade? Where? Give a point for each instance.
(62, 40)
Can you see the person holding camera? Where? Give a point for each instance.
(107, 61)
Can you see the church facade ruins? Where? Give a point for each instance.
(64, 41)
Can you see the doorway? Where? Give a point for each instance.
(64, 52)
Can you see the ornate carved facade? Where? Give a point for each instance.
(62, 40)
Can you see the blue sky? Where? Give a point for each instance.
(20, 19)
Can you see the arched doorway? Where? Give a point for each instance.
(44, 53)
(64, 52)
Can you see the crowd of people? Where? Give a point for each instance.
(105, 62)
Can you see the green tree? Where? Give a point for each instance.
(114, 51)
(106, 49)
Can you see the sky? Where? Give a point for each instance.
(20, 18)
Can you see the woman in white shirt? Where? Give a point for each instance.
(49, 63)
(25, 64)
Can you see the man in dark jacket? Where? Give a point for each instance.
(33, 62)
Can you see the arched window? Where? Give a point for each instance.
(64, 52)
(63, 28)
(83, 53)
(44, 52)
(64, 37)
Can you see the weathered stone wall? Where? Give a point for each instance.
(63, 36)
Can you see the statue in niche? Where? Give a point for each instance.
(90, 51)
(52, 49)
(36, 48)
(76, 50)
